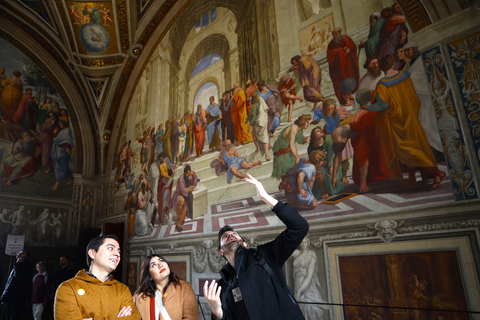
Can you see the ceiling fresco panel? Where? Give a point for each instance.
(94, 27)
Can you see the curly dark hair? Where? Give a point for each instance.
(147, 286)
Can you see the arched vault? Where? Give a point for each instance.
(214, 43)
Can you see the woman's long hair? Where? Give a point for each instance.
(147, 286)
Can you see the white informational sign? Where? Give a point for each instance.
(14, 244)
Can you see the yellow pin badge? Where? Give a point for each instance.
(81, 292)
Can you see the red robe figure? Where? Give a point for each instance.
(342, 63)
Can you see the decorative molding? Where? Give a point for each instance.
(387, 230)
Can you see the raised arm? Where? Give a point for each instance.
(261, 193)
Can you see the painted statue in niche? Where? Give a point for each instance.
(315, 38)
(307, 285)
(36, 141)
(430, 280)
(41, 226)
(93, 25)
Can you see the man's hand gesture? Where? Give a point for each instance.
(212, 295)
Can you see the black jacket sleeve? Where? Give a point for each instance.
(280, 249)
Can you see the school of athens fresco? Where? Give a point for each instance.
(172, 158)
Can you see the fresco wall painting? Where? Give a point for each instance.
(405, 276)
(37, 144)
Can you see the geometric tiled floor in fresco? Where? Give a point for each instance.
(251, 212)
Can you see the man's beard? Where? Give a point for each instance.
(232, 246)
(375, 71)
(338, 38)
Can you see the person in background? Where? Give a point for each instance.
(162, 290)
(42, 290)
(65, 272)
(18, 289)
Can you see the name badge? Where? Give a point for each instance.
(237, 295)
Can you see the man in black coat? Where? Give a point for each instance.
(253, 285)
(18, 289)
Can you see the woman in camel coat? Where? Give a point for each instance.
(162, 292)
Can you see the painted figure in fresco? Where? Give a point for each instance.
(235, 163)
(307, 284)
(46, 140)
(332, 114)
(106, 17)
(238, 111)
(251, 86)
(189, 122)
(164, 189)
(129, 154)
(214, 125)
(370, 79)
(44, 112)
(284, 149)
(322, 188)
(400, 58)
(298, 181)
(416, 297)
(21, 221)
(270, 95)
(154, 177)
(125, 178)
(167, 146)
(158, 139)
(286, 86)
(360, 129)
(93, 35)
(329, 114)
(400, 133)
(174, 139)
(27, 110)
(376, 23)
(182, 199)
(61, 153)
(342, 63)
(11, 95)
(144, 211)
(258, 119)
(200, 124)
(427, 115)
(227, 116)
(6, 225)
(24, 159)
(393, 32)
(182, 136)
(310, 78)
(74, 14)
